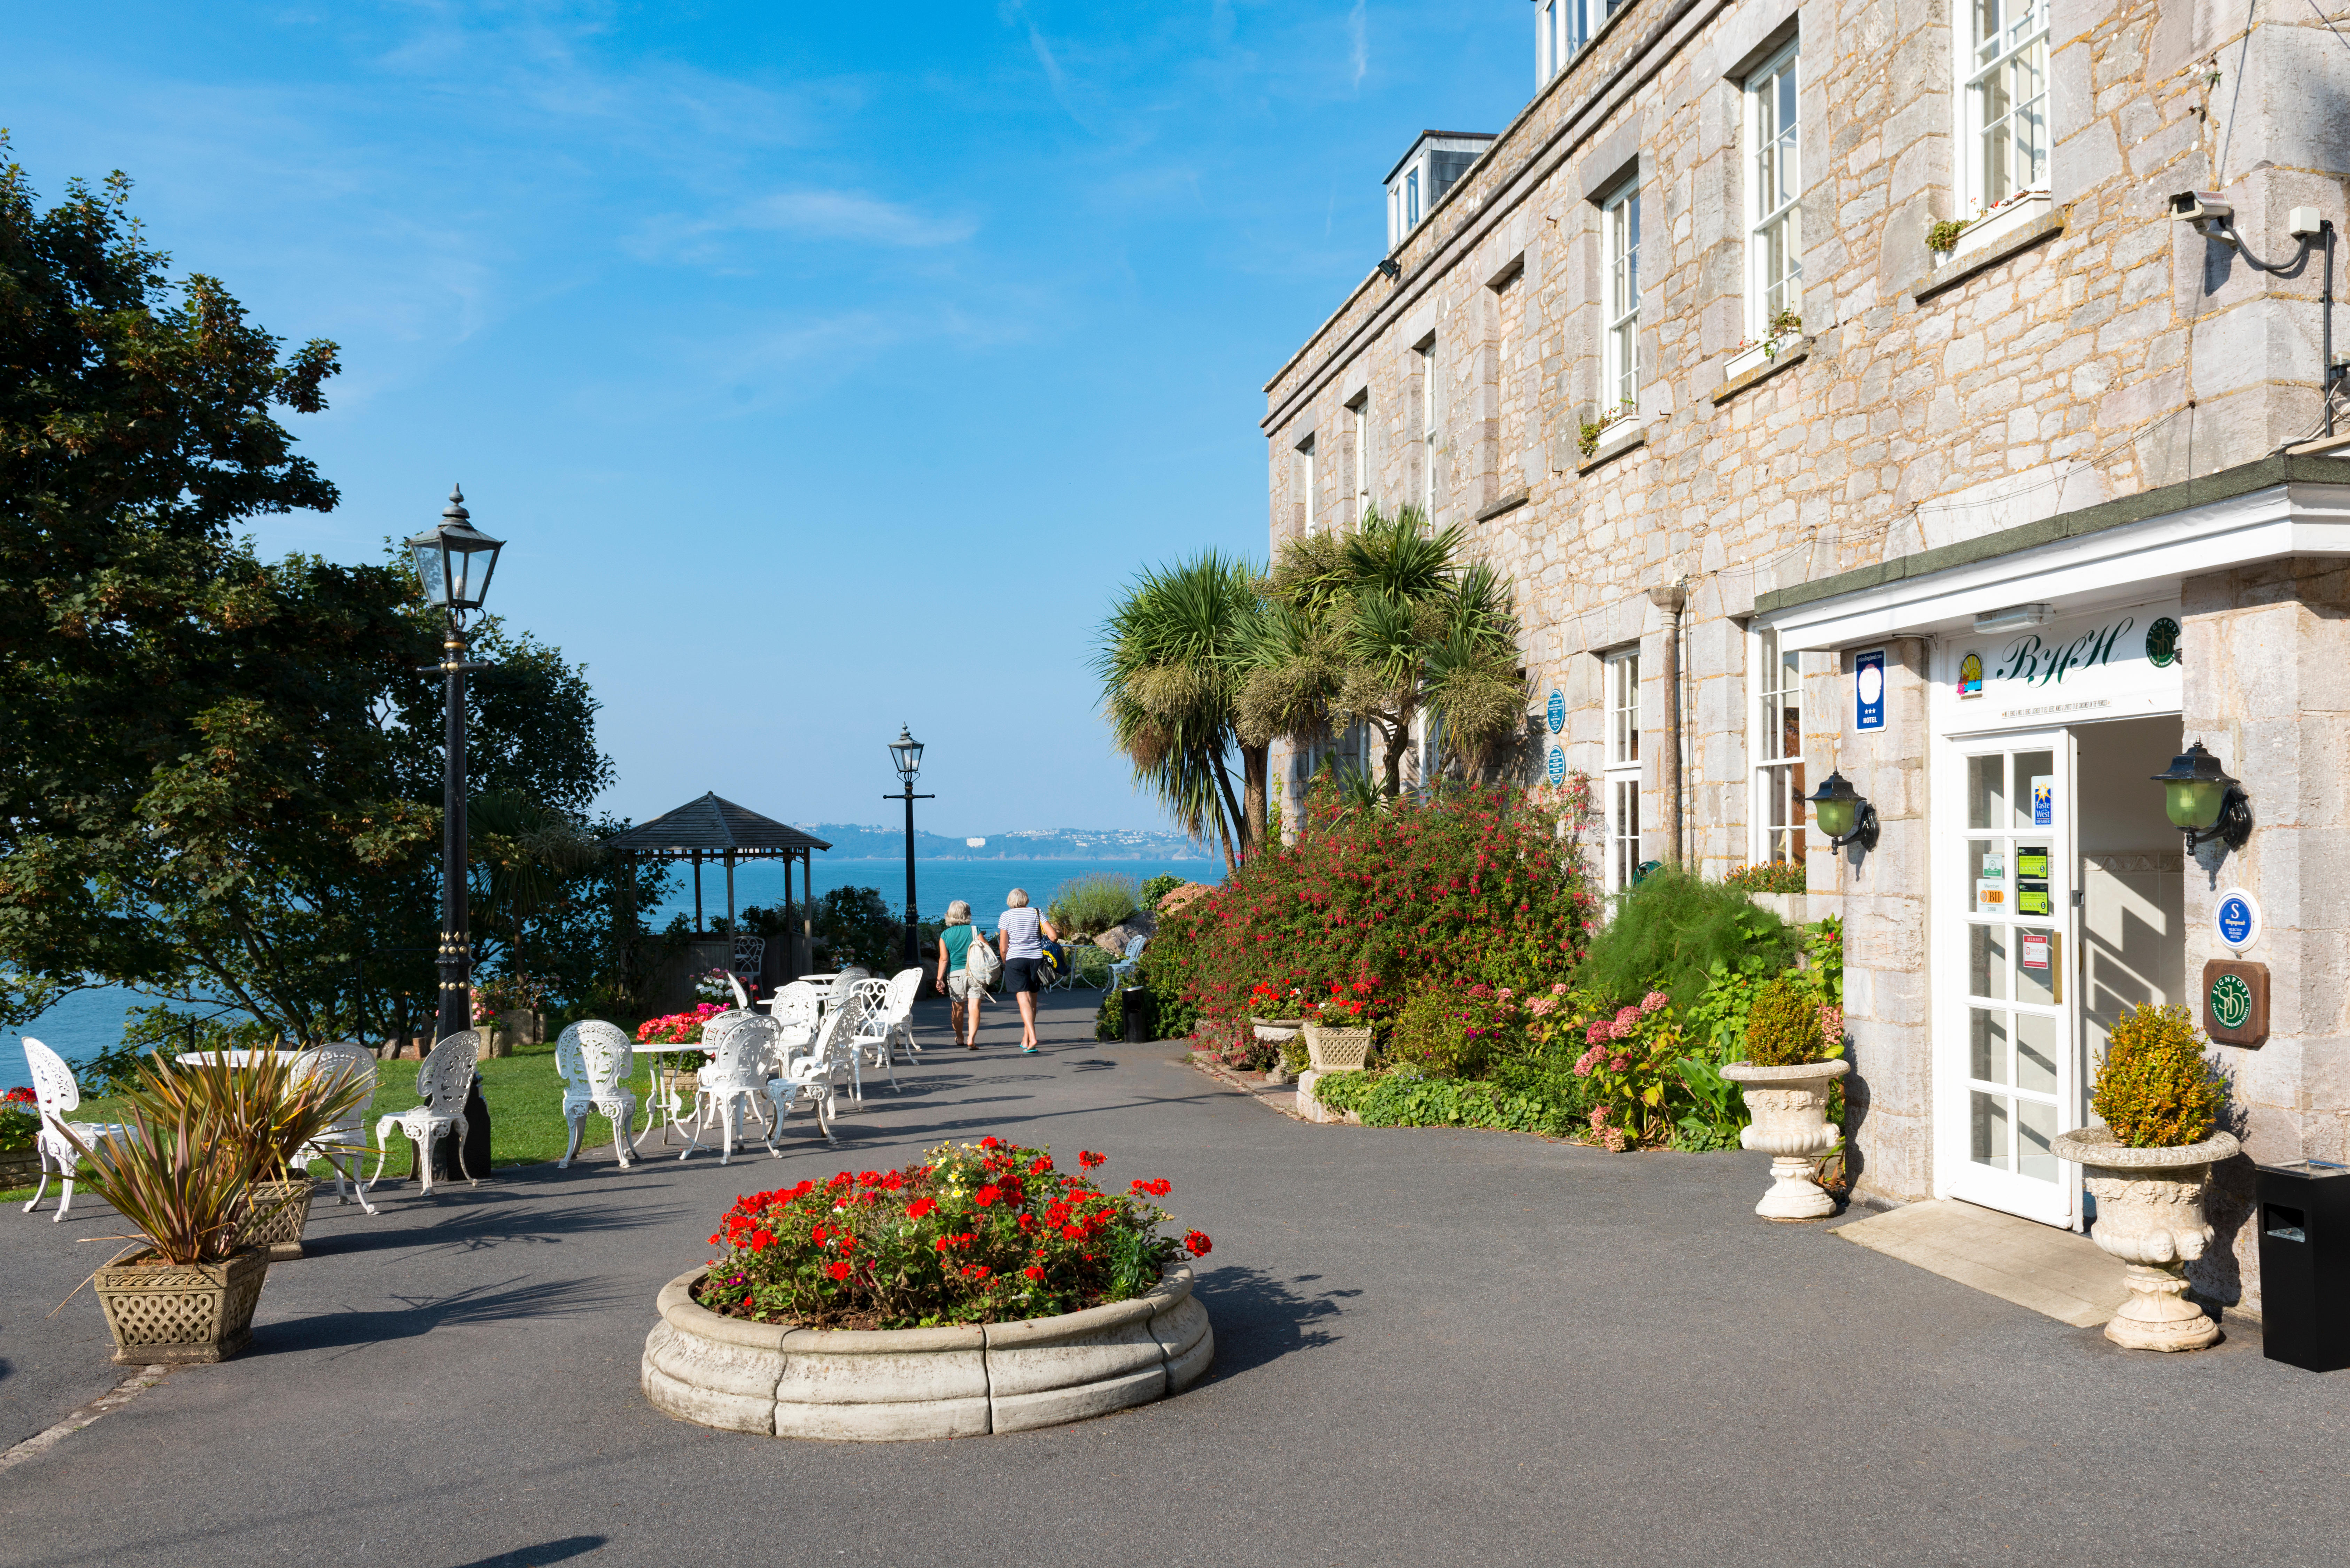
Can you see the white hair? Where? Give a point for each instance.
(958, 913)
(1017, 899)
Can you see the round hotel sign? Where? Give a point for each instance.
(1555, 711)
(2237, 919)
(1557, 767)
(2231, 1000)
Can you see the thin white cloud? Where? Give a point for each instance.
(1358, 40)
(850, 217)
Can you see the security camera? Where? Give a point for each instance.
(2194, 206)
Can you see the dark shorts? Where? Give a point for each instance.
(1020, 975)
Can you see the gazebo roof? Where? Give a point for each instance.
(713, 827)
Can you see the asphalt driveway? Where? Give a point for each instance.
(1432, 1346)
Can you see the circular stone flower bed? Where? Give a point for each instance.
(981, 1290)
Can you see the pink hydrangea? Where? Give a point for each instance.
(1558, 988)
(1599, 1115)
(1617, 1064)
(1543, 1006)
(1653, 1001)
(1503, 994)
(1600, 1031)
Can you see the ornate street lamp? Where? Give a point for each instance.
(1843, 813)
(2203, 801)
(906, 755)
(454, 563)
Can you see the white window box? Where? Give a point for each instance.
(1759, 355)
(1996, 225)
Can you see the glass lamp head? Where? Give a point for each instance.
(1835, 806)
(2194, 789)
(453, 560)
(906, 754)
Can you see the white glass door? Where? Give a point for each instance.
(2007, 1061)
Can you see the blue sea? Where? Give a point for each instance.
(91, 1022)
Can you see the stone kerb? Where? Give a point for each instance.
(895, 1385)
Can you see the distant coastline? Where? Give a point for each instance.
(858, 841)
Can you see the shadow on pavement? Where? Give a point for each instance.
(561, 1550)
(503, 1302)
(1259, 1318)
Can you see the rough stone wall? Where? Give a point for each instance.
(2121, 352)
(2272, 698)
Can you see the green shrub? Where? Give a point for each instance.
(1783, 1028)
(1670, 932)
(2156, 1088)
(1158, 887)
(1404, 1098)
(1092, 904)
(857, 926)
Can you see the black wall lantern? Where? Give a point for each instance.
(2203, 801)
(1843, 814)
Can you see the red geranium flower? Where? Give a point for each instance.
(1033, 1271)
(986, 1196)
(919, 1207)
(1090, 1160)
(990, 1142)
(1198, 1243)
(838, 1271)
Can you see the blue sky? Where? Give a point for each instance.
(826, 369)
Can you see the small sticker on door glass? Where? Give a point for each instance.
(2035, 949)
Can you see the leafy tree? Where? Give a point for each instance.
(1380, 626)
(1172, 657)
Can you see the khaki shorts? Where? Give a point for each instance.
(962, 985)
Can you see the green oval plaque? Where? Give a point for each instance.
(2162, 642)
(2231, 1000)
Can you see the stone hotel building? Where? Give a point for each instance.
(1938, 395)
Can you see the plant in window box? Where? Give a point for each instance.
(1588, 432)
(2148, 1166)
(1790, 1067)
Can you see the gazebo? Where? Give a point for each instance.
(713, 828)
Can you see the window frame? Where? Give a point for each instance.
(1619, 216)
(1775, 772)
(1760, 89)
(1620, 772)
(1974, 72)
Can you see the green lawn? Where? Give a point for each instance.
(524, 1097)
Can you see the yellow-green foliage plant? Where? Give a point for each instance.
(1782, 1029)
(2156, 1088)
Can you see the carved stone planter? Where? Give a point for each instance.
(1789, 1108)
(1337, 1050)
(891, 1385)
(174, 1313)
(2150, 1215)
(281, 1209)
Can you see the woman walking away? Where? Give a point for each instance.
(962, 987)
(1020, 939)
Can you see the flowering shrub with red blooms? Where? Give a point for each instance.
(1351, 1006)
(1472, 884)
(678, 1028)
(983, 1233)
(19, 1096)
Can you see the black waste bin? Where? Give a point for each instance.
(1134, 1009)
(2304, 1213)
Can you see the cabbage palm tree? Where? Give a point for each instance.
(1170, 661)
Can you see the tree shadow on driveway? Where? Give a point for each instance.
(1260, 1317)
(508, 1301)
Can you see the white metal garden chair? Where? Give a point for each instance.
(750, 954)
(55, 1093)
(1122, 971)
(874, 1043)
(797, 1007)
(843, 985)
(746, 1044)
(594, 1060)
(441, 1082)
(805, 1072)
(345, 1142)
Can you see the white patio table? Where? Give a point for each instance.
(236, 1058)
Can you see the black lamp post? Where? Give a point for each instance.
(454, 563)
(906, 752)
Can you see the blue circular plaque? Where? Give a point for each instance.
(1557, 766)
(2237, 918)
(1556, 713)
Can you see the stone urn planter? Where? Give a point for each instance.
(281, 1209)
(1338, 1050)
(892, 1385)
(1276, 1031)
(1789, 1107)
(2150, 1215)
(180, 1312)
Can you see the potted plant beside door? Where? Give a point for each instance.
(2160, 1097)
(1788, 1070)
